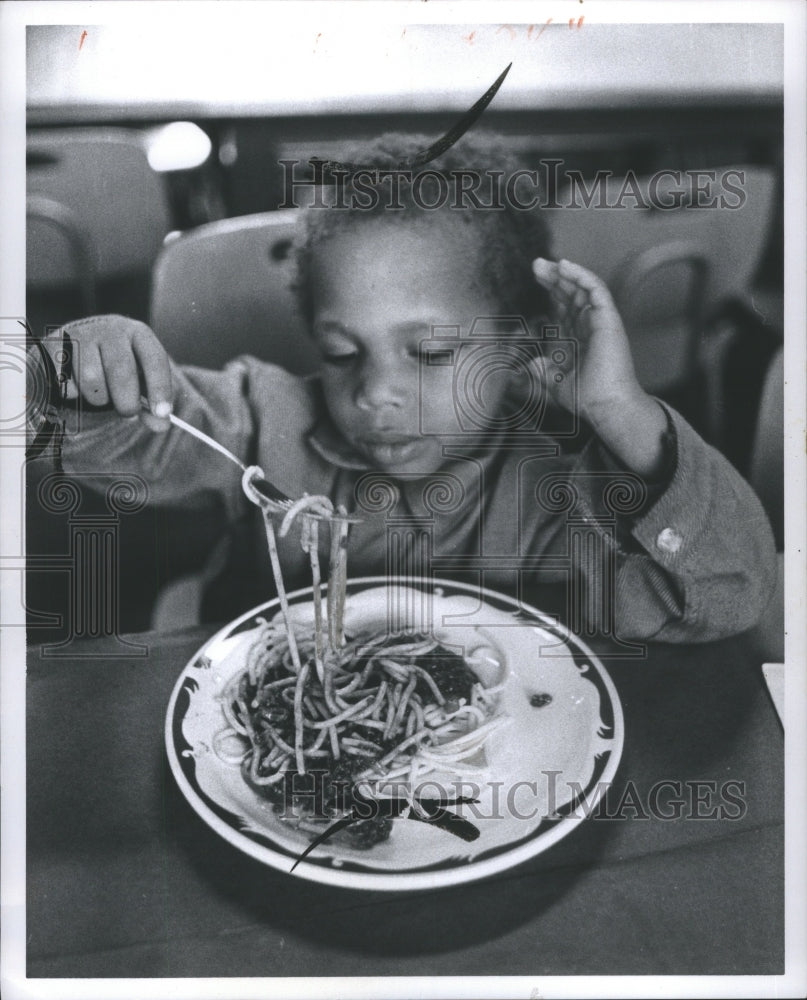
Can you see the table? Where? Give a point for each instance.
(124, 880)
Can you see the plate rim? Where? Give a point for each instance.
(467, 871)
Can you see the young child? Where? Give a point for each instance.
(414, 419)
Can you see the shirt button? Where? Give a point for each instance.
(669, 540)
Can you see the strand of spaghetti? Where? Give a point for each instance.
(278, 739)
(270, 779)
(349, 713)
(253, 655)
(219, 737)
(453, 743)
(242, 707)
(230, 716)
(463, 710)
(390, 713)
(434, 715)
(407, 649)
(316, 581)
(312, 751)
(360, 741)
(232, 719)
(458, 755)
(350, 687)
(412, 780)
(396, 670)
(415, 738)
(334, 703)
(321, 737)
(341, 565)
(438, 694)
(370, 723)
(452, 760)
(369, 667)
(334, 558)
(452, 767)
(473, 736)
(281, 590)
(382, 691)
(316, 504)
(298, 718)
(399, 711)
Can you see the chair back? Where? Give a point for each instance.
(224, 289)
(58, 251)
(660, 294)
(619, 230)
(105, 181)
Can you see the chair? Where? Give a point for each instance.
(660, 294)
(729, 242)
(225, 289)
(101, 180)
(59, 257)
(218, 291)
(104, 178)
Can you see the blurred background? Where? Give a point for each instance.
(156, 190)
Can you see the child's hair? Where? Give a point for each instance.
(509, 238)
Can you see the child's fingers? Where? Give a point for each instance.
(568, 278)
(121, 378)
(156, 371)
(544, 270)
(91, 377)
(563, 288)
(580, 278)
(159, 424)
(570, 298)
(575, 290)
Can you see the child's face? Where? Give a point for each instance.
(378, 291)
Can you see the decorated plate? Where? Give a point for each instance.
(546, 768)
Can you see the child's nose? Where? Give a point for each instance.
(380, 385)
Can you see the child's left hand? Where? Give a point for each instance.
(603, 386)
(605, 376)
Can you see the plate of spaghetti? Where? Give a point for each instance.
(391, 733)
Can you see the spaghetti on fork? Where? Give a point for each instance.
(322, 717)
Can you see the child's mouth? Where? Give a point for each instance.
(388, 449)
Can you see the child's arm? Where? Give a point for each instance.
(117, 360)
(629, 422)
(704, 528)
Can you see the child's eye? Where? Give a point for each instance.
(419, 354)
(339, 358)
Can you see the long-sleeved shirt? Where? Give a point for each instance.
(693, 560)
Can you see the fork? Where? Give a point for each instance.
(276, 500)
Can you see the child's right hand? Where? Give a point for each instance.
(117, 360)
